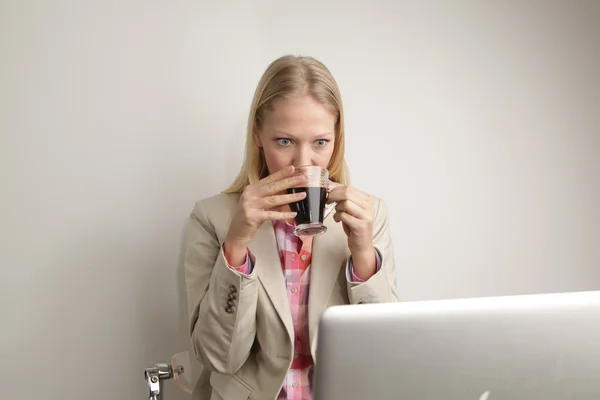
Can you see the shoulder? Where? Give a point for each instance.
(218, 203)
(216, 210)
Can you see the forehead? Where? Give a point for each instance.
(299, 115)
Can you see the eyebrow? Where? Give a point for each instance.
(280, 132)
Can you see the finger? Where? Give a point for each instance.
(343, 193)
(279, 200)
(279, 186)
(283, 173)
(332, 185)
(348, 219)
(276, 215)
(356, 226)
(353, 209)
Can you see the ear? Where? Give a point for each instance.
(256, 137)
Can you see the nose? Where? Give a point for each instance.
(303, 157)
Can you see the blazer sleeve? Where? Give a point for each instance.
(382, 286)
(221, 301)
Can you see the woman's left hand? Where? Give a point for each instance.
(355, 210)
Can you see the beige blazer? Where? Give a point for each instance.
(241, 326)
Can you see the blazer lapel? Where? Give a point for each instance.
(270, 273)
(329, 256)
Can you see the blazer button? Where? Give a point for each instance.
(231, 296)
(232, 289)
(229, 309)
(230, 303)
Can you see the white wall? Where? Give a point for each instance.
(478, 123)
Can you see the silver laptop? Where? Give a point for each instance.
(536, 347)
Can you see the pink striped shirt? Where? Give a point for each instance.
(296, 258)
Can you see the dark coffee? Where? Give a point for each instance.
(311, 208)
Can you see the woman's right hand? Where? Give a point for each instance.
(258, 203)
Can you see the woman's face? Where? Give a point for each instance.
(297, 131)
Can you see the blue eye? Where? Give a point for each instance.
(322, 142)
(283, 141)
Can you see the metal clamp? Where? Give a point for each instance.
(155, 375)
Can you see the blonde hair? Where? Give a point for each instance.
(286, 77)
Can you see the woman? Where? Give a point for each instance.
(255, 290)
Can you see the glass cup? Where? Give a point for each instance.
(310, 211)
